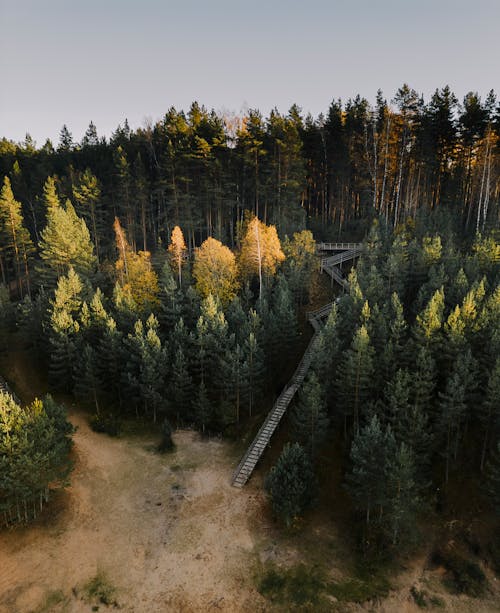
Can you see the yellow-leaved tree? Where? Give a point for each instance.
(260, 252)
(135, 275)
(177, 251)
(214, 270)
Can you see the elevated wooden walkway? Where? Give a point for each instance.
(4, 387)
(316, 319)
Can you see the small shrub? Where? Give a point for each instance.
(494, 551)
(166, 443)
(100, 589)
(437, 602)
(419, 597)
(105, 424)
(272, 585)
(464, 576)
(360, 590)
(298, 586)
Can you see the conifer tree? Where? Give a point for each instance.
(253, 370)
(87, 195)
(291, 483)
(171, 299)
(16, 246)
(64, 329)
(354, 379)
(65, 243)
(490, 411)
(492, 485)
(402, 498)
(309, 419)
(180, 388)
(166, 443)
(429, 322)
(367, 479)
(203, 410)
(87, 377)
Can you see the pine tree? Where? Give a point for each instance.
(64, 329)
(65, 140)
(180, 388)
(253, 370)
(166, 443)
(309, 420)
(171, 300)
(397, 401)
(87, 377)
(492, 485)
(65, 243)
(354, 378)
(490, 411)
(35, 441)
(16, 247)
(367, 479)
(403, 500)
(291, 484)
(430, 321)
(87, 195)
(282, 328)
(203, 409)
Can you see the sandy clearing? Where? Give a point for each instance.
(171, 534)
(169, 531)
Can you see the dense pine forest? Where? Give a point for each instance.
(164, 273)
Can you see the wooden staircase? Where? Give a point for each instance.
(349, 251)
(4, 387)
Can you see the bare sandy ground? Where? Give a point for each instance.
(169, 532)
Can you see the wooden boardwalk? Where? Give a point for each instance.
(316, 319)
(4, 387)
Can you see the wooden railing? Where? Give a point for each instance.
(316, 318)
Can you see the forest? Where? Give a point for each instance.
(164, 274)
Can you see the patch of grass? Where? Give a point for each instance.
(52, 599)
(360, 590)
(106, 424)
(464, 576)
(99, 589)
(437, 602)
(419, 597)
(178, 467)
(296, 586)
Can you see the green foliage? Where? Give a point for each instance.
(34, 445)
(464, 576)
(166, 443)
(359, 590)
(105, 424)
(65, 243)
(100, 590)
(291, 484)
(298, 586)
(309, 419)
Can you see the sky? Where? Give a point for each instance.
(70, 62)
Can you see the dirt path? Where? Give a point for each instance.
(169, 532)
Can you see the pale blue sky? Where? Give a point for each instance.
(66, 61)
